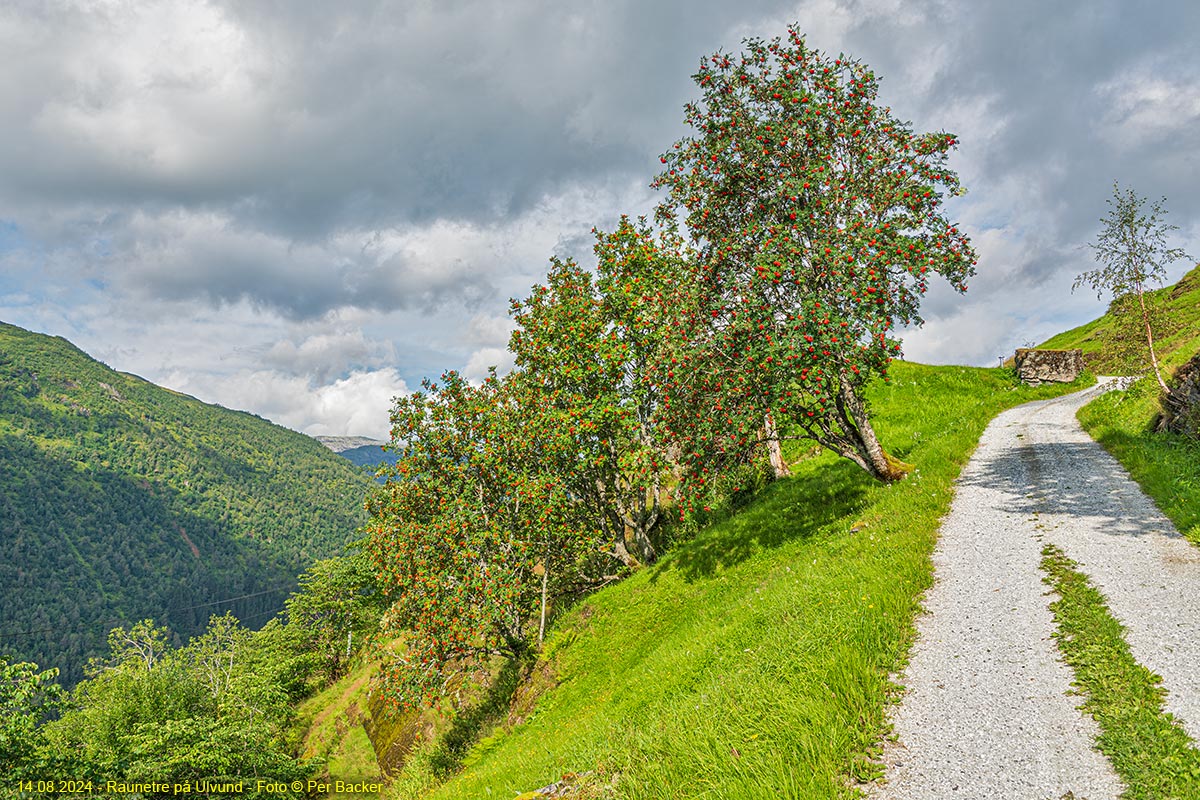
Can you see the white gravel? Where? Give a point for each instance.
(986, 713)
(1148, 573)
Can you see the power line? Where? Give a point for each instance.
(231, 599)
(23, 634)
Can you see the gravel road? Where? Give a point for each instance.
(986, 713)
(1150, 575)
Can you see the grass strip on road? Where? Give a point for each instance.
(1150, 751)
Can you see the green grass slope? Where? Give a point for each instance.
(1179, 339)
(752, 661)
(332, 726)
(121, 500)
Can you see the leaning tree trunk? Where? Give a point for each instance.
(1150, 342)
(877, 461)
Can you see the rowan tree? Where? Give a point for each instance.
(587, 348)
(1132, 250)
(471, 534)
(817, 220)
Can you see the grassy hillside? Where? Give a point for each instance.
(121, 500)
(753, 660)
(1177, 339)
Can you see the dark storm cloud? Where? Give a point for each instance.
(306, 118)
(296, 123)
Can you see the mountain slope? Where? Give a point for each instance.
(360, 450)
(121, 500)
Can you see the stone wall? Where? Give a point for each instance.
(1181, 408)
(1042, 366)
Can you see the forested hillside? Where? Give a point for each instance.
(120, 500)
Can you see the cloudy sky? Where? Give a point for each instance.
(301, 209)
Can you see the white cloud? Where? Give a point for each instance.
(1147, 105)
(484, 329)
(477, 365)
(963, 338)
(357, 405)
(327, 353)
(160, 87)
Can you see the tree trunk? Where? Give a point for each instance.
(542, 624)
(621, 552)
(771, 436)
(1150, 342)
(641, 539)
(639, 521)
(879, 463)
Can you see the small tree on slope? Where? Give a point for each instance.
(817, 220)
(589, 347)
(475, 531)
(1132, 249)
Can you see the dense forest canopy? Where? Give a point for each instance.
(121, 500)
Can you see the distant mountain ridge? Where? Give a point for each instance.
(361, 450)
(121, 500)
(339, 444)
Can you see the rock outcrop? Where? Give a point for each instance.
(1181, 408)
(1042, 366)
